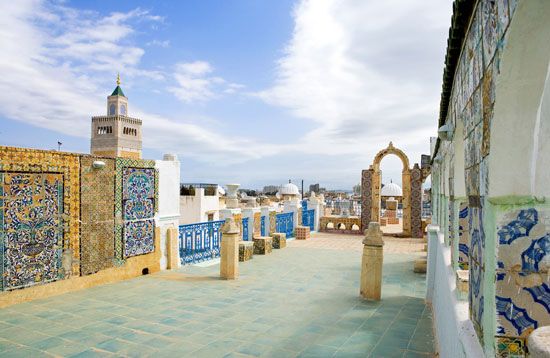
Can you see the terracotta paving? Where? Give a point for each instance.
(301, 301)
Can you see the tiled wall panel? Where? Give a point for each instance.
(97, 232)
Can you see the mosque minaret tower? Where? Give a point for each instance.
(116, 134)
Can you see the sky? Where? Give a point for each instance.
(246, 91)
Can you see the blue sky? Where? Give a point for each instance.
(254, 92)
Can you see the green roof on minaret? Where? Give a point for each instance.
(118, 90)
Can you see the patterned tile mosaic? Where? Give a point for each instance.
(523, 259)
(475, 296)
(37, 161)
(136, 200)
(32, 228)
(366, 197)
(416, 202)
(97, 231)
(139, 237)
(510, 347)
(463, 236)
(524, 241)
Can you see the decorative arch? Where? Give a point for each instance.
(391, 150)
(370, 193)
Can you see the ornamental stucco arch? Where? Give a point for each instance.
(370, 192)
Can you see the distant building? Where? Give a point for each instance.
(199, 203)
(270, 189)
(314, 187)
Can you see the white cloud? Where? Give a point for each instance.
(194, 83)
(364, 72)
(164, 44)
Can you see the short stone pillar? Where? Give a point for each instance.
(229, 255)
(538, 342)
(371, 265)
(172, 252)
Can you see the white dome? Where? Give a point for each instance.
(391, 189)
(289, 189)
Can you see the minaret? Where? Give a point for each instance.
(116, 134)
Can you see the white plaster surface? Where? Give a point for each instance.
(169, 211)
(454, 332)
(195, 208)
(514, 169)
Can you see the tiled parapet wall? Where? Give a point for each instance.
(522, 278)
(472, 101)
(38, 189)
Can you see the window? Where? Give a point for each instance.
(112, 108)
(123, 110)
(129, 131)
(105, 130)
(211, 217)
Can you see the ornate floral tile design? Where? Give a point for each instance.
(136, 200)
(33, 161)
(32, 228)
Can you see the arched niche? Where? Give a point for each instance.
(519, 130)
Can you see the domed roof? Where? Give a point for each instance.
(289, 189)
(391, 189)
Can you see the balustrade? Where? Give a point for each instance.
(285, 223)
(308, 219)
(200, 241)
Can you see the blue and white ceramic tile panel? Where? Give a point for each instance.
(523, 260)
(463, 236)
(138, 195)
(31, 228)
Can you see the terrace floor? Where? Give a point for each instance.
(299, 301)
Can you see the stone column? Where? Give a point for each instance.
(371, 266)
(172, 252)
(229, 255)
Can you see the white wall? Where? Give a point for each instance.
(454, 332)
(169, 190)
(195, 208)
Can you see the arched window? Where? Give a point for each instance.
(123, 109)
(112, 109)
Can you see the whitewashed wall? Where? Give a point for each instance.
(454, 332)
(169, 190)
